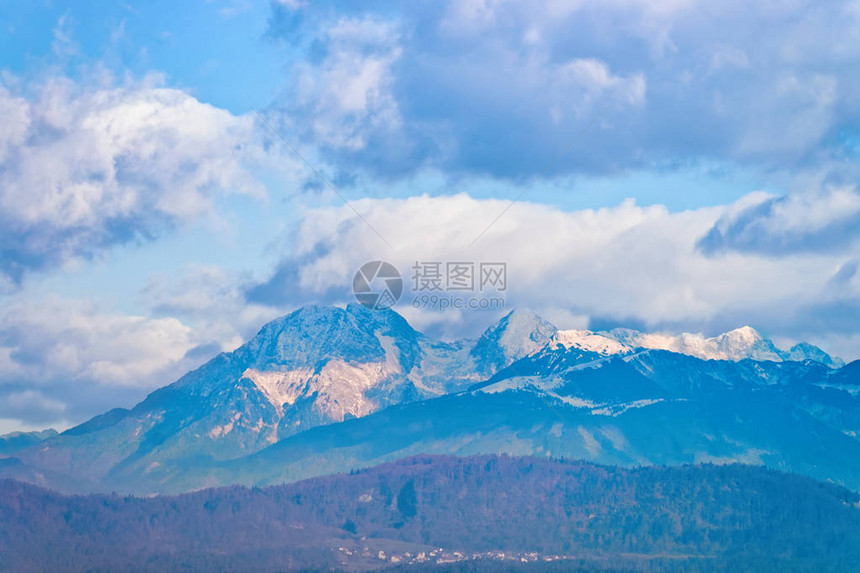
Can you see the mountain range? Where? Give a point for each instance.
(329, 389)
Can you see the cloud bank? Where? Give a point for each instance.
(85, 168)
(498, 88)
(628, 264)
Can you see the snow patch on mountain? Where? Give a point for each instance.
(575, 401)
(339, 389)
(280, 388)
(224, 429)
(617, 409)
(589, 341)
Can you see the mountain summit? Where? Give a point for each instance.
(518, 334)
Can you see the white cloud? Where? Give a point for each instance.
(63, 360)
(471, 16)
(627, 263)
(112, 152)
(30, 398)
(827, 219)
(495, 86)
(291, 4)
(76, 341)
(348, 94)
(9, 425)
(794, 118)
(723, 57)
(84, 168)
(595, 82)
(63, 45)
(16, 117)
(209, 300)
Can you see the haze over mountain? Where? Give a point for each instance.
(11, 443)
(327, 389)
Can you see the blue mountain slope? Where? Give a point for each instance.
(655, 407)
(316, 366)
(721, 416)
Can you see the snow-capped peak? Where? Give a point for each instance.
(518, 334)
(733, 345)
(745, 342)
(805, 351)
(590, 341)
(523, 332)
(738, 344)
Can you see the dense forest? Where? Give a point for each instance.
(589, 517)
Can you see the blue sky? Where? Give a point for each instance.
(215, 50)
(149, 218)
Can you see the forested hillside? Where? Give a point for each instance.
(694, 518)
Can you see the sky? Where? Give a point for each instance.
(173, 175)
